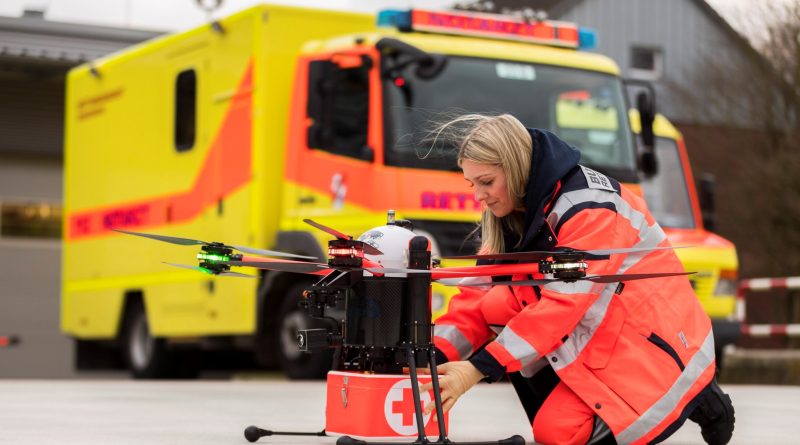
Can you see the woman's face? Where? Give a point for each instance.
(489, 183)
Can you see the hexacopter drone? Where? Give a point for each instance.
(383, 278)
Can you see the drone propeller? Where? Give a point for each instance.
(226, 273)
(538, 255)
(194, 242)
(593, 278)
(339, 235)
(324, 269)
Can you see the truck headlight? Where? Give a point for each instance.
(726, 285)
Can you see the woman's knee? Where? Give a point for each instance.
(562, 431)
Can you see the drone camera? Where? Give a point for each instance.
(309, 340)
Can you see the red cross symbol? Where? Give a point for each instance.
(405, 407)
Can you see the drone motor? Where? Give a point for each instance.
(213, 255)
(567, 265)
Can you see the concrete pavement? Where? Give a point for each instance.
(84, 412)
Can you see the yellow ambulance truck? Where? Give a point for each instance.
(238, 130)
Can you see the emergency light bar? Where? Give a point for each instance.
(546, 32)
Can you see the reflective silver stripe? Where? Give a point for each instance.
(583, 332)
(517, 347)
(577, 287)
(649, 236)
(533, 368)
(571, 199)
(456, 338)
(656, 414)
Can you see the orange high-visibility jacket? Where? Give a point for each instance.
(635, 353)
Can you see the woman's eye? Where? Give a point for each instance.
(486, 183)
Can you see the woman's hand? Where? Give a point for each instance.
(455, 378)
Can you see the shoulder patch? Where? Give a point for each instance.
(597, 180)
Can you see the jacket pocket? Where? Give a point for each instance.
(666, 347)
(637, 369)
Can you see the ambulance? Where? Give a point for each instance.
(238, 130)
(673, 199)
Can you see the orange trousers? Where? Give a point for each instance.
(563, 419)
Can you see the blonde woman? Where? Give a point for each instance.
(591, 363)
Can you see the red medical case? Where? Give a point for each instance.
(375, 406)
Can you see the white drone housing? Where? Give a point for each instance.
(392, 240)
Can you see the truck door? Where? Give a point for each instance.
(334, 166)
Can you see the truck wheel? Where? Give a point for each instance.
(145, 355)
(296, 364)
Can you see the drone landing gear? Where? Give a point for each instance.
(421, 437)
(253, 433)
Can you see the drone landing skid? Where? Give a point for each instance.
(253, 433)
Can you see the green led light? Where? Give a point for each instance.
(212, 257)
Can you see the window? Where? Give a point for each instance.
(30, 220)
(185, 110)
(338, 104)
(646, 63)
(585, 108)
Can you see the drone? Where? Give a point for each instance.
(383, 280)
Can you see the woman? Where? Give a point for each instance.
(591, 363)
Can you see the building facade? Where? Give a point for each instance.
(35, 55)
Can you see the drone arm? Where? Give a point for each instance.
(484, 271)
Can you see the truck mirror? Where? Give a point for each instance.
(707, 204)
(647, 115)
(431, 66)
(646, 106)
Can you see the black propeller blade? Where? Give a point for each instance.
(194, 242)
(339, 235)
(210, 272)
(594, 278)
(538, 255)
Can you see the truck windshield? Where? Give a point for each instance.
(584, 108)
(666, 192)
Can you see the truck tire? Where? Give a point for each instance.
(298, 365)
(145, 356)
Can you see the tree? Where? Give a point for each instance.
(752, 97)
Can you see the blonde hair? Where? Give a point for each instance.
(500, 141)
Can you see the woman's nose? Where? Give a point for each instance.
(480, 195)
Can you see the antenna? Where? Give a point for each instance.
(210, 7)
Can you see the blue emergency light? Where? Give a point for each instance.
(395, 18)
(587, 38)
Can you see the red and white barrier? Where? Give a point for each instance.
(8, 340)
(762, 284)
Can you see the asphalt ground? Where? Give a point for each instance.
(93, 412)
